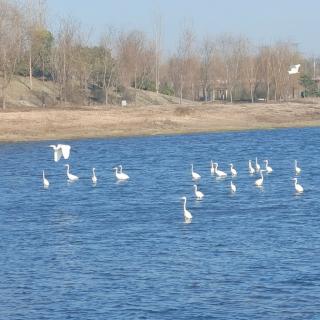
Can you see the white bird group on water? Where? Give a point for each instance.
(221, 174)
(63, 150)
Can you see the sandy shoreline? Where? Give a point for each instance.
(59, 124)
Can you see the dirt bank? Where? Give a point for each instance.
(57, 124)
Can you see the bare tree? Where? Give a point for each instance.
(283, 55)
(157, 54)
(185, 58)
(11, 42)
(250, 70)
(63, 57)
(207, 52)
(232, 53)
(35, 20)
(109, 64)
(264, 68)
(133, 49)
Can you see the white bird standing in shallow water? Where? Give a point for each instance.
(121, 175)
(45, 180)
(60, 150)
(187, 214)
(296, 168)
(268, 168)
(219, 173)
(94, 177)
(195, 175)
(251, 170)
(71, 177)
(212, 169)
(259, 182)
(297, 186)
(233, 187)
(257, 166)
(199, 195)
(233, 170)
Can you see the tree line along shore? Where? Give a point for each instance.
(62, 65)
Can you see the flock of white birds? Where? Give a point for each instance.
(256, 169)
(63, 150)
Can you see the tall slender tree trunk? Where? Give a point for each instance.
(251, 93)
(64, 77)
(30, 69)
(3, 94)
(42, 70)
(135, 86)
(181, 88)
(107, 85)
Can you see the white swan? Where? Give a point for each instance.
(297, 186)
(219, 173)
(268, 168)
(296, 168)
(195, 175)
(45, 180)
(251, 170)
(233, 187)
(199, 195)
(259, 182)
(60, 150)
(257, 165)
(71, 177)
(233, 170)
(212, 169)
(120, 175)
(187, 214)
(94, 177)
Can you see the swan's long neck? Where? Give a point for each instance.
(43, 174)
(195, 188)
(68, 169)
(295, 163)
(94, 172)
(185, 204)
(256, 161)
(261, 175)
(192, 168)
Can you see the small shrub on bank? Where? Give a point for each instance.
(182, 111)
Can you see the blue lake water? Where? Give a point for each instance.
(123, 251)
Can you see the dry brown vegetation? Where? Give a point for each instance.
(85, 122)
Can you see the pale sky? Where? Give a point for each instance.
(263, 22)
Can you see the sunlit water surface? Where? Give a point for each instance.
(122, 250)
